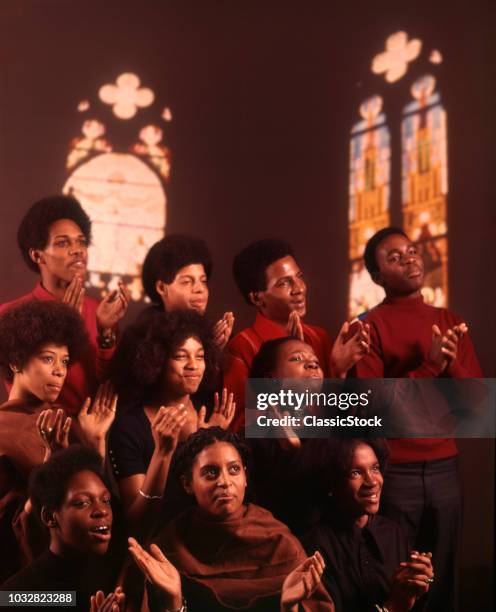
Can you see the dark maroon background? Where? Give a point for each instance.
(263, 95)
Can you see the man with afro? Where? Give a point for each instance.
(53, 238)
(175, 275)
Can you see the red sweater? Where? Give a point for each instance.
(245, 345)
(401, 334)
(83, 375)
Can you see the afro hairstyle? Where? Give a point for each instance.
(167, 256)
(140, 358)
(48, 482)
(250, 264)
(26, 327)
(34, 229)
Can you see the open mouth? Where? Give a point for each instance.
(101, 532)
(371, 497)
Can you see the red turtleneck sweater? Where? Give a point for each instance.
(401, 334)
(245, 345)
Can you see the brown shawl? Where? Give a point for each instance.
(240, 561)
(19, 439)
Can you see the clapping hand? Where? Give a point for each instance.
(53, 428)
(222, 414)
(222, 330)
(74, 294)
(347, 351)
(444, 347)
(113, 602)
(166, 427)
(302, 582)
(159, 571)
(291, 441)
(294, 326)
(417, 573)
(95, 421)
(410, 581)
(112, 308)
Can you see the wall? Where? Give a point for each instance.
(263, 94)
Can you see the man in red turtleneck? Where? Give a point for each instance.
(410, 339)
(270, 279)
(53, 237)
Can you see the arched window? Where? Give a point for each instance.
(369, 190)
(121, 188)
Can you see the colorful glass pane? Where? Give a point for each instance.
(369, 194)
(425, 184)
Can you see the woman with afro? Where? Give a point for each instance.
(160, 363)
(38, 340)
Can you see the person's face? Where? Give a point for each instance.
(401, 268)
(296, 359)
(298, 366)
(84, 520)
(188, 290)
(360, 493)
(285, 291)
(44, 374)
(218, 481)
(184, 369)
(65, 254)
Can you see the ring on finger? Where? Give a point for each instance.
(429, 580)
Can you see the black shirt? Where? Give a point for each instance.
(131, 447)
(50, 572)
(131, 443)
(291, 483)
(360, 563)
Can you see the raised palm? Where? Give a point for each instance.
(157, 569)
(223, 412)
(96, 420)
(302, 581)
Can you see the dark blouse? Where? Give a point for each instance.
(131, 448)
(50, 572)
(291, 483)
(131, 443)
(359, 562)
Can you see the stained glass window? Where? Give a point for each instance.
(425, 184)
(369, 194)
(123, 191)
